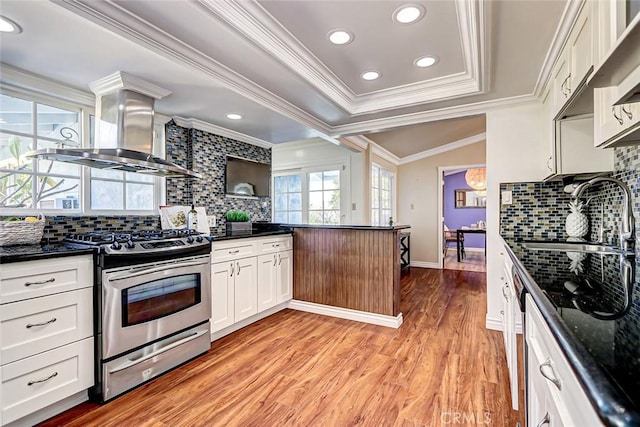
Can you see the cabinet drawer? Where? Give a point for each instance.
(566, 391)
(40, 324)
(36, 382)
(238, 249)
(29, 279)
(275, 245)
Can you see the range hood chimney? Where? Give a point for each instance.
(124, 130)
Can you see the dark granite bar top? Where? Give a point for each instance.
(253, 233)
(586, 307)
(353, 227)
(35, 252)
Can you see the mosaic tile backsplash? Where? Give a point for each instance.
(539, 211)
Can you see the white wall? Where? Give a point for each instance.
(318, 153)
(517, 151)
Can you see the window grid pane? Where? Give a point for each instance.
(324, 197)
(381, 195)
(287, 207)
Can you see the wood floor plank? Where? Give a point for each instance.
(302, 369)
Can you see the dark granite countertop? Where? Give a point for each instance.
(584, 302)
(35, 252)
(253, 233)
(353, 227)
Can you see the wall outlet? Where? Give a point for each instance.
(211, 221)
(507, 197)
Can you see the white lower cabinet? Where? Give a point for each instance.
(46, 336)
(249, 276)
(555, 397)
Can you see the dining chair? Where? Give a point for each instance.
(449, 236)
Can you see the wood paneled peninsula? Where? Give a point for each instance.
(352, 267)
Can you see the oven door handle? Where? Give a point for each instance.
(140, 272)
(131, 363)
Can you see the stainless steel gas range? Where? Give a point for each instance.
(153, 304)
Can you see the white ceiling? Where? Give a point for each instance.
(271, 61)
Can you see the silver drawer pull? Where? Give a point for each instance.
(274, 260)
(544, 421)
(504, 292)
(55, 374)
(279, 259)
(233, 267)
(277, 245)
(551, 377)
(42, 282)
(238, 272)
(32, 325)
(627, 112)
(234, 252)
(618, 118)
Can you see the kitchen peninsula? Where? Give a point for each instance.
(349, 267)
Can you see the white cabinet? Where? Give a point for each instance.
(581, 47)
(246, 288)
(554, 391)
(510, 311)
(222, 295)
(46, 334)
(249, 276)
(614, 125)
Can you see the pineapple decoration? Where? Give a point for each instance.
(577, 224)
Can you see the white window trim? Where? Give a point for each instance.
(393, 190)
(344, 192)
(85, 183)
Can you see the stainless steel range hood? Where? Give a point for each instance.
(124, 136)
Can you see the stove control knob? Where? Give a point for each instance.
(130, 244)
(116, 245)
(199, 239)
(190, 239)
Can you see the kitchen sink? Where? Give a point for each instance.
(587, 247)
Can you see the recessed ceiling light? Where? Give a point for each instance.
(408, 13)
(8, 26)
(234, 116)
(370, 75)
(426, 61)
(340, 37)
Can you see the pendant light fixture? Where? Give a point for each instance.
(476, 178)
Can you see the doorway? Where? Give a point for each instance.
(460, 206)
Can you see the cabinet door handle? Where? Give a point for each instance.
(627, 112)
(549, 163)
(42, 282)
(276, 245)
(274, 260)
(551, 377)
(279, 259)
(32, 325)
(55, 374)
(238, 272)
(544, 421)
(504, 292)
(618, 118)
(502, 312)
(233, 267)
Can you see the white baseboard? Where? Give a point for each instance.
(425, 264)
(51, 410)
(249, 320)
(493, 324)
(346, 313)
(466, 249)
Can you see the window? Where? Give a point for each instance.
(288, 199)
(37, 184)
(45, 186)
(324, 197)
(381, 195)
(307, 197)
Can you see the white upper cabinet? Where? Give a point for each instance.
(614, 125)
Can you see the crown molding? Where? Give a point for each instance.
(266, 33)
(122, 80)
(35, 83)
(387, 123)
(444, 148)
(115, 18)
(191, 123)
(385, 154)
(567, 21)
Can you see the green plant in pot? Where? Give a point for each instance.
(238, 222)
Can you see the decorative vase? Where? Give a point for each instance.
(234, 228)
(577, 224)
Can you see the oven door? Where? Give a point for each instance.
(144, 303)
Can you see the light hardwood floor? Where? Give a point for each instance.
(473, 261)
(301, 369)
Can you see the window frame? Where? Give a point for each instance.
(392, 194)
(84, 111)
(340, 167)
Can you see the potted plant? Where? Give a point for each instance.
(238, 222)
